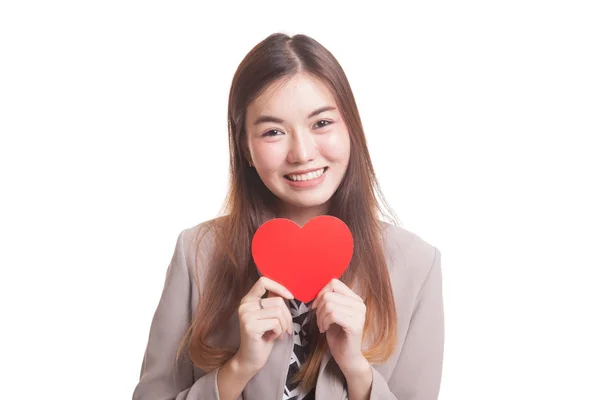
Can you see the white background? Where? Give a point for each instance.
(482, 119)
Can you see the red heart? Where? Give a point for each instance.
(303, 259)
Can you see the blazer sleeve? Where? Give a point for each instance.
(418, 372)
(160, 378)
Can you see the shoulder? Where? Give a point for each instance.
(409, 257)
(195, 243)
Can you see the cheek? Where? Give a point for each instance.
(268, 156)
(336, 146)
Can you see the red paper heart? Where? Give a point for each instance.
(303, 259)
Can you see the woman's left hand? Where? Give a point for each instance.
(341, 315)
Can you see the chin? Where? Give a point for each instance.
(317, 200)
(301, 198)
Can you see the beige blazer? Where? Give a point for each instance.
(412, 372)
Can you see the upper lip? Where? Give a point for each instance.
(305, 171)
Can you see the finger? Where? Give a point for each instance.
(275, 301)
(339, 317)
(274, 312)
(335, 286)
(261, 326)
(328, 308)
(339, 298)
(326, 288)
(280, 303)
(263, 284)
(340, 287)
(253, 304)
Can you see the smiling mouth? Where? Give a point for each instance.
(306, 177)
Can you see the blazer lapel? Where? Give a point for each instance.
(269, 381)
(330, 383)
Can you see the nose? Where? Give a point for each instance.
(303, 147)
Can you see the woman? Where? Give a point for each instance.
(298, 150)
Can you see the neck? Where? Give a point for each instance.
(300, 215)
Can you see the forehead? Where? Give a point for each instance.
(301, 93)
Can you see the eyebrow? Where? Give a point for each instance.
(268, 118)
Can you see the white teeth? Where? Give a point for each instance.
(308, 176)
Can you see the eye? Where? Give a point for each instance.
(321, 125)
(269, 133)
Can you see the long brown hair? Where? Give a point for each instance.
(358, 202)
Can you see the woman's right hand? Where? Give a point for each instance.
(260, 327)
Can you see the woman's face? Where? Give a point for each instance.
(298, 143)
